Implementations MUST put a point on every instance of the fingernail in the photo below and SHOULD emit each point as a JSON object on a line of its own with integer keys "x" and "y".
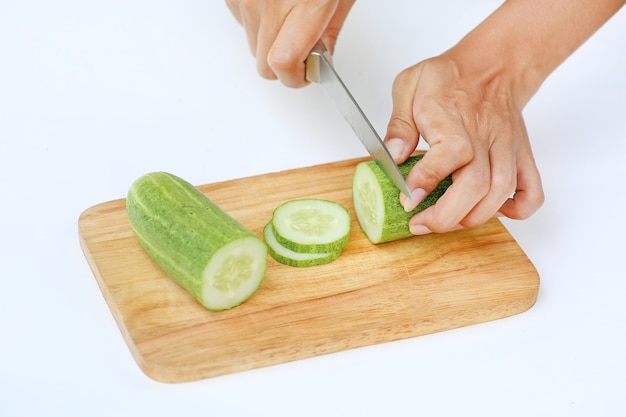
{"x": 499, "y": 214}
{"x": 419, "y": 229}
{"x": 417, "y": 196}
{"x": 395, "y": 147}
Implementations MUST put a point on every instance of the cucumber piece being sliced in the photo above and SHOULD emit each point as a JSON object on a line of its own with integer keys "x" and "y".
{"x": 376, "y": 201}
{"x": 202, "y": 248}
{"x": 288, "y": 257}
{"x": 311, "y": 225}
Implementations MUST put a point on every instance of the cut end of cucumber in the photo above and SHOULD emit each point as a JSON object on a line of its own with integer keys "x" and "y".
{"x": 234, "y": 273}
{"x": 368, "y": 202}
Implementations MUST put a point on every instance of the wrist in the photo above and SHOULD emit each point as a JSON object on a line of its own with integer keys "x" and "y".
{"x": 500, "y": 63}
{"x": 519, "y": 45}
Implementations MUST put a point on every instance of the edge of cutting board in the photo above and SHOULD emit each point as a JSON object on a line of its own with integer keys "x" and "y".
{"x": 370, "y": 295}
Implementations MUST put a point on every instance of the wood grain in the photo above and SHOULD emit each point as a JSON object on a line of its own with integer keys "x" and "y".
{"x": 371, "y": 294}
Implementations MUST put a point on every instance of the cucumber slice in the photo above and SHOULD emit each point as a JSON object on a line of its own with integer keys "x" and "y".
{"x": 311, "y": 225}
{"x": 202, "y": 248}
{"x": 288, "y": 257}
{"x": 376, "y": 201}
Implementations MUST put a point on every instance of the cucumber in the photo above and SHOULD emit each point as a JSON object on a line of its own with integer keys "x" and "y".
{"x": 288, "y": 257}
{"x": 311, "y": 225}
{"x": 202, "y": 248}
{"x": 376, "y": 201}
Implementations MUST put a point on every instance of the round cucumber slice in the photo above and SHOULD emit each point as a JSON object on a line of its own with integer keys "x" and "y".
{"x": 311, "y": 226}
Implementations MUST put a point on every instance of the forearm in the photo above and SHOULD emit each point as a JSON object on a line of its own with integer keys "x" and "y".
{"x": 523, "y": 41}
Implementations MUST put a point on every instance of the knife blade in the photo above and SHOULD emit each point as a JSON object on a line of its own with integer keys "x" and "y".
{"x": 320, "y": 70}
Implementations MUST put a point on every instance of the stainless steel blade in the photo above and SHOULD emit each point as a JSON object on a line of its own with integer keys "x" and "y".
{"x": 319, "y": 69}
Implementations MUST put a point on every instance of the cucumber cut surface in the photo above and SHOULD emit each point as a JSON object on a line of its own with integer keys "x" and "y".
{"x": 232, "y": 274}
{"x": 288, "y": 257}
{"x": 311, "y": 226}
{"x": 369, "y": 202}
{"x": 197, "y": 244}
{"x": 377, "y": 204}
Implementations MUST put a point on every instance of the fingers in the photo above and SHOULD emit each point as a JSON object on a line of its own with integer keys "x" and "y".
{"x": 451, "y": 150}
{"x": 331, "y": 33}
{"x": 502, "y": 181}
{"x": 515, "y": 181}
{"x": 302, "y": 27}
{"x": 233, "y": 6}
{"x": 269, "y": 27}
{"x": 529, "y": 195}
{"x": 247, "y": 13}
{"x": 417, "y": 110}
{"x": 402, "y": 135}
{"x": 470, "y": 182}
{"x": 281, "y": 33}
{"x": 478, "y": 190}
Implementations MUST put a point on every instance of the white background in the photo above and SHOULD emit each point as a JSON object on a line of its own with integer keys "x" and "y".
{"x": 94, "y": 94}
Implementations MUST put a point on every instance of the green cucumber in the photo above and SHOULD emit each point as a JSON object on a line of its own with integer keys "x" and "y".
{"x": 202, "y": 248}
{"x": 376, "y": 201}
{"x": 288, "y": 257}
{"x": 311, "y": 225}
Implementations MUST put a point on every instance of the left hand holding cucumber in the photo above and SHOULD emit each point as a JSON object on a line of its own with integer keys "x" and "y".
{"x": 467, "y": 105}
{"x": 473, "y": 134}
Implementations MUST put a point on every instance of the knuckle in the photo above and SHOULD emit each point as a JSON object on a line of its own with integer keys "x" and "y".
{"x": 331, "y": 35}
{"x": 404, "y": 78}
{"x": 280, "y": 61}
{"x": 265, "y": 71}
{"x": 442, "y": 222}
{"x": 428, "y": 176}
{"x": 503, "y": 184}
{"x": 460, "y": 147}
{"x": 402, "y": 121}
{"x": 442, "y": 226}
{"x": 474, "y": 221}
{"x": 285, "y": 67}
{"x": 524, "y": 204}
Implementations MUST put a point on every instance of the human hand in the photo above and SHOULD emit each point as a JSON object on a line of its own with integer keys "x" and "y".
{"x": 281, "y": 33}
{"x": 475, "y": 131}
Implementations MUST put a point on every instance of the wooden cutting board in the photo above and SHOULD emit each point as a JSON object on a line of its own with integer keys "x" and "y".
{"x": 371, "y": 294}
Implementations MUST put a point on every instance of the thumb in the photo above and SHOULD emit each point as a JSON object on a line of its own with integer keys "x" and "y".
{"x": 402, "y": 134}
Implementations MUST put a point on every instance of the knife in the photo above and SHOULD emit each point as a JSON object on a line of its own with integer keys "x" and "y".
{"x": 320, "y": 70}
